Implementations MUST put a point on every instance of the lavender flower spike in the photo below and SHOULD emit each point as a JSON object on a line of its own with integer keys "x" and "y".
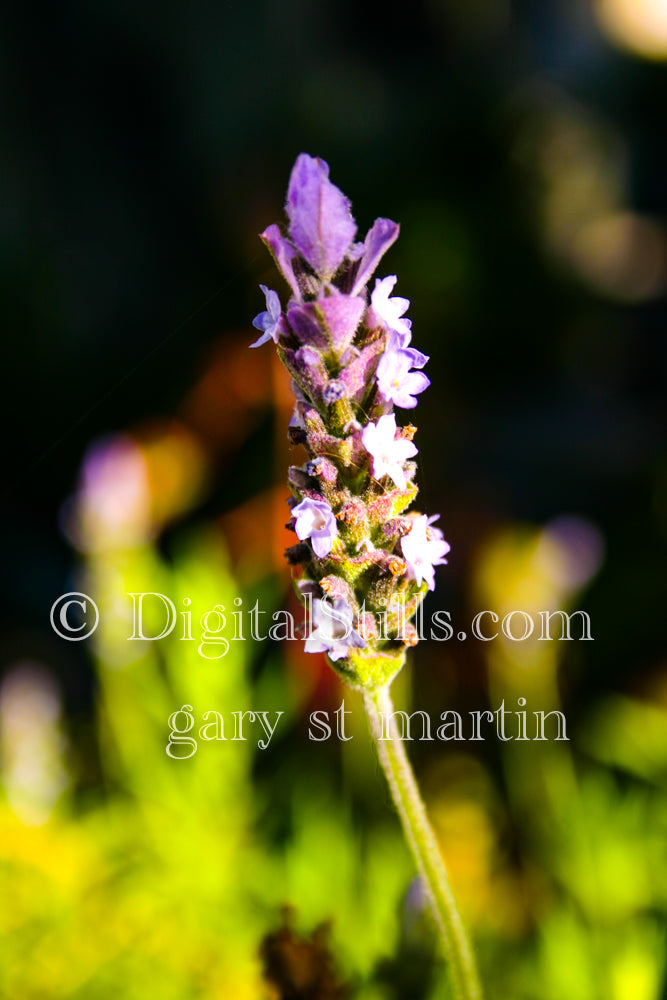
{"x": 346, "y": 351}
{"x": 362, "y": 564}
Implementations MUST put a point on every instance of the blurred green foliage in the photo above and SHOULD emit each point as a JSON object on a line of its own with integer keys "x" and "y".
{"x": 166, "y": 881}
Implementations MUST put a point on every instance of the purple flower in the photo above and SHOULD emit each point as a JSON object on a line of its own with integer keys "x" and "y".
{"x": 388, "y": 452}
{"x": 379, "y": 238}
{"x": 307, "y": 368}
{"x": 359, "y": 369}
{"x": 423, "y": 548}
{"x": 330, "y": 321}
{"x": 321, "y": 224}
{"x": 334, "y": 631}
{"x": 342, "y": 314}
{"x": 315, "y": 520}
{"x": 269, "y": 321}
{"x": 388, "y": 311}
{"x": 334, "y": 391}
{"x": 347, "y": 347}
{"x": 283, "y": 253}
{"x": 396, "y": 382}
{"x": 417, "y": 359}
{"x": 296, "y": 420}
{"x": 305, "y": 325}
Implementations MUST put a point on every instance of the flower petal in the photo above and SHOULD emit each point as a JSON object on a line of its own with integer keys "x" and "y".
{"x": 342, "y": 314}
{"x": 321, "y": 223}
{"x": 379, "y": 238}
{"x": 283, "y": 254}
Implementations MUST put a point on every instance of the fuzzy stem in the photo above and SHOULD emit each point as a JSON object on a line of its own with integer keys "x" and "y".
{"x": 421, "y": 839}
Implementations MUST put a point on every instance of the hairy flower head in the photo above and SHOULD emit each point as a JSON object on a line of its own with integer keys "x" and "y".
{"x": 359, "y": 556}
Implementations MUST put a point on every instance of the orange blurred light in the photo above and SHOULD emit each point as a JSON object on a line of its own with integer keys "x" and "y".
{"x": 232, "y": 394}
{"x": 257, "y": 537}
{"x": 637, "y": 25}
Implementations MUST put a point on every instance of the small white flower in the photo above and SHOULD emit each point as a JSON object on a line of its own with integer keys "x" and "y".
{"x": 390, "y": 310}
{"x": 388, "y": 452}
{"x": 315, "y": 519}
{"x": 334, "y": 631}
{"x": 423, "y": 548}
{"x": 397, "y": 383}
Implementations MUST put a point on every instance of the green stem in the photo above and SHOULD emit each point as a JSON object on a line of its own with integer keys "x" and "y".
{"x": 422, "y": 842}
